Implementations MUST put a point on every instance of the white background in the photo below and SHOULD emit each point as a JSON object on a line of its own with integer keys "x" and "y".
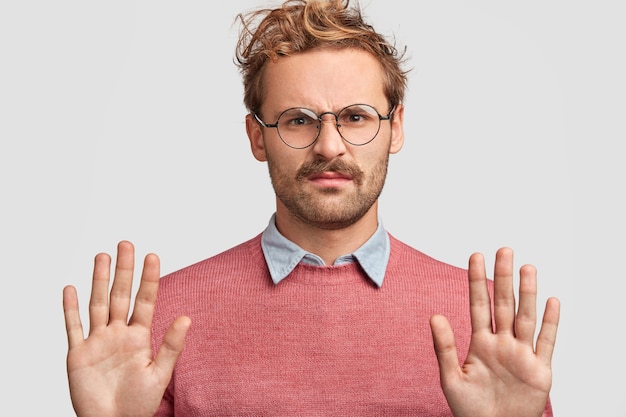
{"x": 124, "y": 120}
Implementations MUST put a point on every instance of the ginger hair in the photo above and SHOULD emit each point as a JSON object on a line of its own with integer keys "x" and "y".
{"x": 302, "y": 25}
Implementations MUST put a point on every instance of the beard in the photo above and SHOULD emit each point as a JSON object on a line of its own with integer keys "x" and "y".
{"x": 329, "y": 208}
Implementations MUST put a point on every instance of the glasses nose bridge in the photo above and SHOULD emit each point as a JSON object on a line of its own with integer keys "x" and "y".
{"x": 320, "y": 116}
{"x": 321, "y": 120}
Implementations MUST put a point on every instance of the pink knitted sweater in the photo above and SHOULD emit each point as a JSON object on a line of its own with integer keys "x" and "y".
{"x": 324, "y": 342}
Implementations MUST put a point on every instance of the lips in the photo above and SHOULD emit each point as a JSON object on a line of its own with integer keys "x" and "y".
{"x": 329, "y": 175}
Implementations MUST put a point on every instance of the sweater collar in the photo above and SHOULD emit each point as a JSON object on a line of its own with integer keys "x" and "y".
{"x": 282, "y": 255}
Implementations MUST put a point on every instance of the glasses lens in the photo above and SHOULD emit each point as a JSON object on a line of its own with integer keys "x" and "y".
{"x": 298, "y": 127}
{"x": 359, "y": 123}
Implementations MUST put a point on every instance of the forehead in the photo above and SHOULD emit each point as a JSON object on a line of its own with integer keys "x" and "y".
{"x": 324, "y": 79}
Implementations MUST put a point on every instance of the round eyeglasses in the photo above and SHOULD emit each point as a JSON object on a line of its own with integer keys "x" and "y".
{"x": 299, "y": 128}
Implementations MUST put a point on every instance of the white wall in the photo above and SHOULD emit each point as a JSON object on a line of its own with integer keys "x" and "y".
{"x": 124, "y": 120}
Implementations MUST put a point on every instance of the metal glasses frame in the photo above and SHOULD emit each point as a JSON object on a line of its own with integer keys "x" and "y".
{"x": 319, "y": 127}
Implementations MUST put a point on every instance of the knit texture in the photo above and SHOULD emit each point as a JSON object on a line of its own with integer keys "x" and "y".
{"x": 323, "y": 342}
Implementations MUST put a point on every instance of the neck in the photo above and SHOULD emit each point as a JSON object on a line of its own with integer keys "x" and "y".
{"x": 325, "y": 243}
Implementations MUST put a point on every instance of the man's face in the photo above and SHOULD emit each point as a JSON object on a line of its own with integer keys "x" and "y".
{"x": 330, "y": 184}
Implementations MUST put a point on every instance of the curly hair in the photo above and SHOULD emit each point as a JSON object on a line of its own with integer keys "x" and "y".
{"x": 301, "y": 25}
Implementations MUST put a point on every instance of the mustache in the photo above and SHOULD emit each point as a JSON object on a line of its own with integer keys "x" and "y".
{"x": 336, "y": 165}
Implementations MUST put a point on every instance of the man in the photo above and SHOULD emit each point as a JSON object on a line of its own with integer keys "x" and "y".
{"x": 324, "y": 313}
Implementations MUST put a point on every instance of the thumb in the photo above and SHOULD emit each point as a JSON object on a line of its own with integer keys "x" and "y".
{"x": 172, "y": 346}
{"x": 445, "y": 347}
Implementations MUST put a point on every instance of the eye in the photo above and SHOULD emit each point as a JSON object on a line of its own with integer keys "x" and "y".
{"x": 294, "y": 118}
{"x": 299, "y": 121}
{"x": 357, "y": 115}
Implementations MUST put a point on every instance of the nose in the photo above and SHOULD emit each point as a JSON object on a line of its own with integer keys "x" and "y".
{"x": 329, "y": 143}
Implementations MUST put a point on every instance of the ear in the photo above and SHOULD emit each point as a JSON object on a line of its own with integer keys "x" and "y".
{"x": 255, "y": 135}
{"x": 397, "y": 129}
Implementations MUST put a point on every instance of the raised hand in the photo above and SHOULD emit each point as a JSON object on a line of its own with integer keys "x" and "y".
{"x": 113, "y": 373}
{"x": 505, "y": 372}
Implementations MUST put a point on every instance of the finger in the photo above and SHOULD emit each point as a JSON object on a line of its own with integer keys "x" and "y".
{"x": 526, "y": 319}
{"x": 445, "y": 348}
{"x": 172, "y": 346}
{"x": 73, "y": 325}
{"x": 147, "y": 293}
{"x": 547, "y": 335}
{"x": 121, "y": 290}
{"x": 504, "y": 297}
{"x": 480, "y": 303}
{"x": 99, "y": 300}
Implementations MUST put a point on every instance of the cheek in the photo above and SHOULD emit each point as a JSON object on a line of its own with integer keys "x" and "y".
{"x": 371, "y": 158}
{"x": 281, "y": 161}
{"x": 375, "y": 166}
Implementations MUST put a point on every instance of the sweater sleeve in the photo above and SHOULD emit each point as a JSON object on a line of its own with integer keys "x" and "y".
{"x": 547, "y": 412}
{"x": 166, "y": 408}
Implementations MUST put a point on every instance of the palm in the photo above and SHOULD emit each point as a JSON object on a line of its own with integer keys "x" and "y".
{"x": 504, "y": 373}
{"x": 116, "y": 361}
{"x": 113, "y": 371}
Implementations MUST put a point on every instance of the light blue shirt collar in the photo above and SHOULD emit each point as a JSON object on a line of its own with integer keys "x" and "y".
{"x": 282, "y": 255}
